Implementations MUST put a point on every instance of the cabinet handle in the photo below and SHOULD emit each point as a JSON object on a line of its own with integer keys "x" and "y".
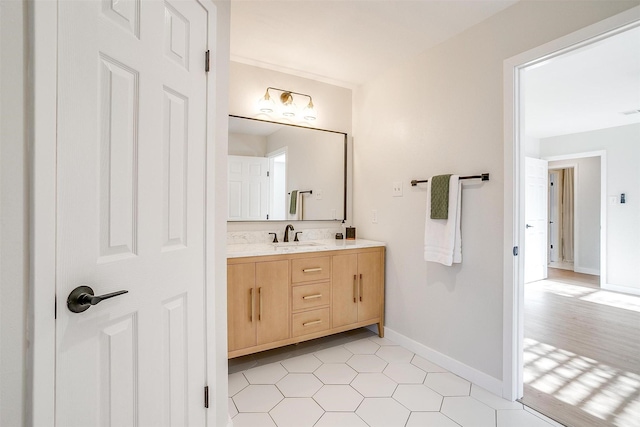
{"x": 311, "y": 270}
{"x": 355, "y": 279}
{"x": 260, "y": 305}
{"x": 312, "y": 296}
{"x": 252, "y": 303}
{"x": 361, "y": 288}
{"x": 315, "y": 322}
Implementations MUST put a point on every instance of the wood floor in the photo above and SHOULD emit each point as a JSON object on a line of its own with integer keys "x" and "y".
{"x": 582, "y": 352}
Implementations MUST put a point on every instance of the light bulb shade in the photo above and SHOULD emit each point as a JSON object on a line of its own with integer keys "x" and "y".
{"x": 288, "y": 107}
{"x": 289, "y": 110}
{"x": 266, "y": 104}
{"x": 309, "y": 113}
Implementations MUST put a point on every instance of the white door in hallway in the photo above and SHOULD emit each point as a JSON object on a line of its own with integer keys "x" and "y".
{"x": 130, "y": 212}
{"x": 536, "y": 222}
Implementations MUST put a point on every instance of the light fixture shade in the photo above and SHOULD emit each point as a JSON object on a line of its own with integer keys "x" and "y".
{"x": 309, "y": 112}
{"x": 288, "y": 107}
{"x": 266, "y": 104}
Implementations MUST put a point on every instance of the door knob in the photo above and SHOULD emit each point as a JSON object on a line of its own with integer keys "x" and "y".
{"x": 82, "y": 297}
{"x": 529, "y": 226}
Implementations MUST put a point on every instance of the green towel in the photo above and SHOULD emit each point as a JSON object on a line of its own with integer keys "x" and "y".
{"x": 440, "y": 196}
{"x": 294, "y": 201}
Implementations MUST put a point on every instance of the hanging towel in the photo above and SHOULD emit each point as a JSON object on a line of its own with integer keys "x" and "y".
{"x": 440, "y": 196}
{"x": 294, "y": 202}
{"x": 295, "y": 206}
{"x": 442, "y": 239}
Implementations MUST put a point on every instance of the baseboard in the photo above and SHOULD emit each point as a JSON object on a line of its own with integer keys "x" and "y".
{"x": 592, "y": 271}
{"x": 481, "y": 379}
{"x": 622, "y": 289}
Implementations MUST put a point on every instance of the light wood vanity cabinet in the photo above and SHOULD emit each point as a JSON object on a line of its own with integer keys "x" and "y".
{"x": 357, "y": 288}
{"x": 274, "y": 301}
{"x": 258, "y": 303}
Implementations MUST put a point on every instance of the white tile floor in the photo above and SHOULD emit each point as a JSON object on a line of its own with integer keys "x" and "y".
{"x": 357, "y": 379}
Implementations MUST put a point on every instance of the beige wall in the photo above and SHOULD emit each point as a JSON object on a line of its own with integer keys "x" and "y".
{"x": 442, "y": 112}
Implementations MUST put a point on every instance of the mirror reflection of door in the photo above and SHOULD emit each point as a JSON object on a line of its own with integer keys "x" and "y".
{"x": 248, "y": 187}
{"x": 278, "y": 184}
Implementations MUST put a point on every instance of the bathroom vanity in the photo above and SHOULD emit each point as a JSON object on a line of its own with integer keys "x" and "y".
{"x": 280, "y": 294}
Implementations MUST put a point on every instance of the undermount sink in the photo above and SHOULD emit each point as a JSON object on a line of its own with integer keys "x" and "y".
{"x": 295, "y": 244}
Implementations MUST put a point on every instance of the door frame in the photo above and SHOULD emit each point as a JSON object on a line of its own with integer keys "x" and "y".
{"x": 568, "y": 163}
{"x": 42, "y": 28}
{"x": 513, "y": 214}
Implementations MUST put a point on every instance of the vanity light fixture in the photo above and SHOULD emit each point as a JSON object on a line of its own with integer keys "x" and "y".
{"x": 288, "y": 108}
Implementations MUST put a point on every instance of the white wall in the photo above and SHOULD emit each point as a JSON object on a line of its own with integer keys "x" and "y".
{"x": 442, "y": 112}
{"x": 13, "y": 215}
{"x": 333, "y": 103}
{"x": 587, "y": 217}
{"x": 623, "y": 176}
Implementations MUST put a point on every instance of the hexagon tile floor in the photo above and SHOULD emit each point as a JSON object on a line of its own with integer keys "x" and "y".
{"x": 358, "y": 380}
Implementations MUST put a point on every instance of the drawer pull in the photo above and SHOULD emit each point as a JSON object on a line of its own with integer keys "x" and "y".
{"x": 311, "y": 270}
{"x": 315, "y": 322}
{"x": 312, "y": 296}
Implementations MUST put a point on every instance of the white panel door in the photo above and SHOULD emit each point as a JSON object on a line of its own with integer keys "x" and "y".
{"x": 248, "y": 185}
{"x": 536, "y": 213}
{"x": 130, "y": 212}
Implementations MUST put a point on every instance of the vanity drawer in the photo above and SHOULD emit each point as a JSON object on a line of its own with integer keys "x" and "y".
{"x": 309, "y": 296}
{"x": 309, "y": 322}
{"x": 310, "y": 269}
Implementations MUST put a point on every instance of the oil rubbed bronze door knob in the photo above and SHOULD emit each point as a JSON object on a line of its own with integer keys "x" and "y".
{"x": 82, "y": 297}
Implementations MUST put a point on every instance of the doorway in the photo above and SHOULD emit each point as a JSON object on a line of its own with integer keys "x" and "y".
{"x": 515, "y": 152}
{"x": 561, "y": 218}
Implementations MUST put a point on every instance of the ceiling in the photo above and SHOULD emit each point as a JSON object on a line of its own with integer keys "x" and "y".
{"x": 588, "y": 89}
{"x": 346, "y": 42}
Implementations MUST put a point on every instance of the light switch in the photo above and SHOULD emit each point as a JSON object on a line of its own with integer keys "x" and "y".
{"x": 397, "y": 189}
{"x": 318, "y": 194}
{"x": 374, "y": 216}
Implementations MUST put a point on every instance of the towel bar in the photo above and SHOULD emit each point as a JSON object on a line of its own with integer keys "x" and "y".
{"x": 484, "y": 177}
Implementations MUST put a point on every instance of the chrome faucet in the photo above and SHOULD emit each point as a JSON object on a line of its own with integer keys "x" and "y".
{"x": 286, "y": 232}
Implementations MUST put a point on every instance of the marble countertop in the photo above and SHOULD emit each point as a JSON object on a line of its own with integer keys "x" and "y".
{"x": 262, "y": 249}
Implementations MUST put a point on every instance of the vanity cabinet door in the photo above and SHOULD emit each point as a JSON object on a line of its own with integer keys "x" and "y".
{"x": 369, "y": 285}
{"x": 357, "y": 287}
{"x": 344, "y": 307}
{"x": 241, "y": 319}
{"x": 272, "y": 301}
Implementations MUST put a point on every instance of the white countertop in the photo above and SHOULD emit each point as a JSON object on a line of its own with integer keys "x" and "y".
{"x": 261, "y": 249}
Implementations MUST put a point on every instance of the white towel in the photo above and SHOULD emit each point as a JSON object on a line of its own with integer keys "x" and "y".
{"x": 442, "y": 239}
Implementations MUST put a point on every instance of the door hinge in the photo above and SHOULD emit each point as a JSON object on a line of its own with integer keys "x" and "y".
{"x": 206, "y": 61}
{"x": 206, "y": 396}
{"x": 515, "y": 251}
